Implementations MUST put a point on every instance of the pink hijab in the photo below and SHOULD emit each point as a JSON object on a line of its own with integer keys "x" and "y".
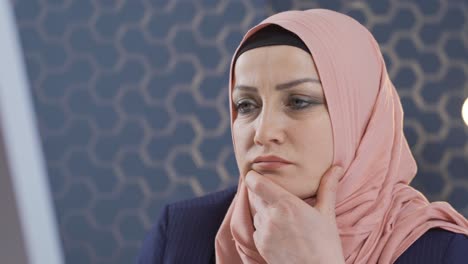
{"x": 378, "y": 214}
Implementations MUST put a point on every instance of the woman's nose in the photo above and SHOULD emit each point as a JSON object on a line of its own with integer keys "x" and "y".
{"x": 268, "y": 128}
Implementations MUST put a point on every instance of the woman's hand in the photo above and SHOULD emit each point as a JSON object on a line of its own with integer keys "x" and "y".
{"x": 288, "y": 230}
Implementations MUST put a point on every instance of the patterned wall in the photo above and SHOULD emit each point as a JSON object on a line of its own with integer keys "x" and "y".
{"x": 133, "y": 104}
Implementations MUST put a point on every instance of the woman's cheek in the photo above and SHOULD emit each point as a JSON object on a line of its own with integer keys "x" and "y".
{"x": 240, "y": 149}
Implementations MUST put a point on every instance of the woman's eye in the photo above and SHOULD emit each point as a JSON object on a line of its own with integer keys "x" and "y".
{"x": 245, "y": 106}
{"x": 298, "y": 103}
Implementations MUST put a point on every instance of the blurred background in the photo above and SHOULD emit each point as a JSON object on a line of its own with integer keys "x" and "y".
{"x": 132, "y": 102}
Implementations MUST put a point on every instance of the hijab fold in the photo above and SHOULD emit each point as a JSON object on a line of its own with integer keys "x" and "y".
{"x": 378, "y": 214}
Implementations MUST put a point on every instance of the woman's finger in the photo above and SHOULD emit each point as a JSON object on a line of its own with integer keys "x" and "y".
{"x": 258, "y": 204}
{"x": 257, "y": 221}
{"x": 326, "y": 194}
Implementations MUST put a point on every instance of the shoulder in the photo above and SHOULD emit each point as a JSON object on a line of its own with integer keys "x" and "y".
{"x": 197, "y": 218}
{"x": 210, "y": 207}
{"x": 213, "y": 201}
{"x": 437, "y": 246}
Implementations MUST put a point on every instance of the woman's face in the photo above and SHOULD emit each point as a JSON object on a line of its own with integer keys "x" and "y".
{"x": 281, "y": 126}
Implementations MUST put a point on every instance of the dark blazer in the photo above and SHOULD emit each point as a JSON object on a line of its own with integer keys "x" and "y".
{"x": 186, "y": 230}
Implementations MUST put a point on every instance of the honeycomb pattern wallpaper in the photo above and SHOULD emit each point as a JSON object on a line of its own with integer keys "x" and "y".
{"x": 132, "y": 102}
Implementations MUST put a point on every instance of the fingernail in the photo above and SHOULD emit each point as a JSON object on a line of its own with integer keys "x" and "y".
{"x": 247, "y": 181}
{"x": 338, "y": 169}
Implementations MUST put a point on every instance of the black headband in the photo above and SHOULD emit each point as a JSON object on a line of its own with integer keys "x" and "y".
{"x": 272, "y": 35}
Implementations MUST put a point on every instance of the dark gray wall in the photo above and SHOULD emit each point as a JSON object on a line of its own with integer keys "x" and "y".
{"x": 133, "y": 104}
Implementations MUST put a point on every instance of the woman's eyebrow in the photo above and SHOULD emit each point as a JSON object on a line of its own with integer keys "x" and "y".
{"x": 246, "y": 88}
{"x": 278, "y": 87}
{"x": 290, "y": 84}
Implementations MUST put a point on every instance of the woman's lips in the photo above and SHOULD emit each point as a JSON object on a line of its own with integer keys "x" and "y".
{"x": 269, "y": 162}
{"x": 269, "y": 165}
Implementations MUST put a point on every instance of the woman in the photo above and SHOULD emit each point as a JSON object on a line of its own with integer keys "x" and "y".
{"x": 325, "y": 167}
